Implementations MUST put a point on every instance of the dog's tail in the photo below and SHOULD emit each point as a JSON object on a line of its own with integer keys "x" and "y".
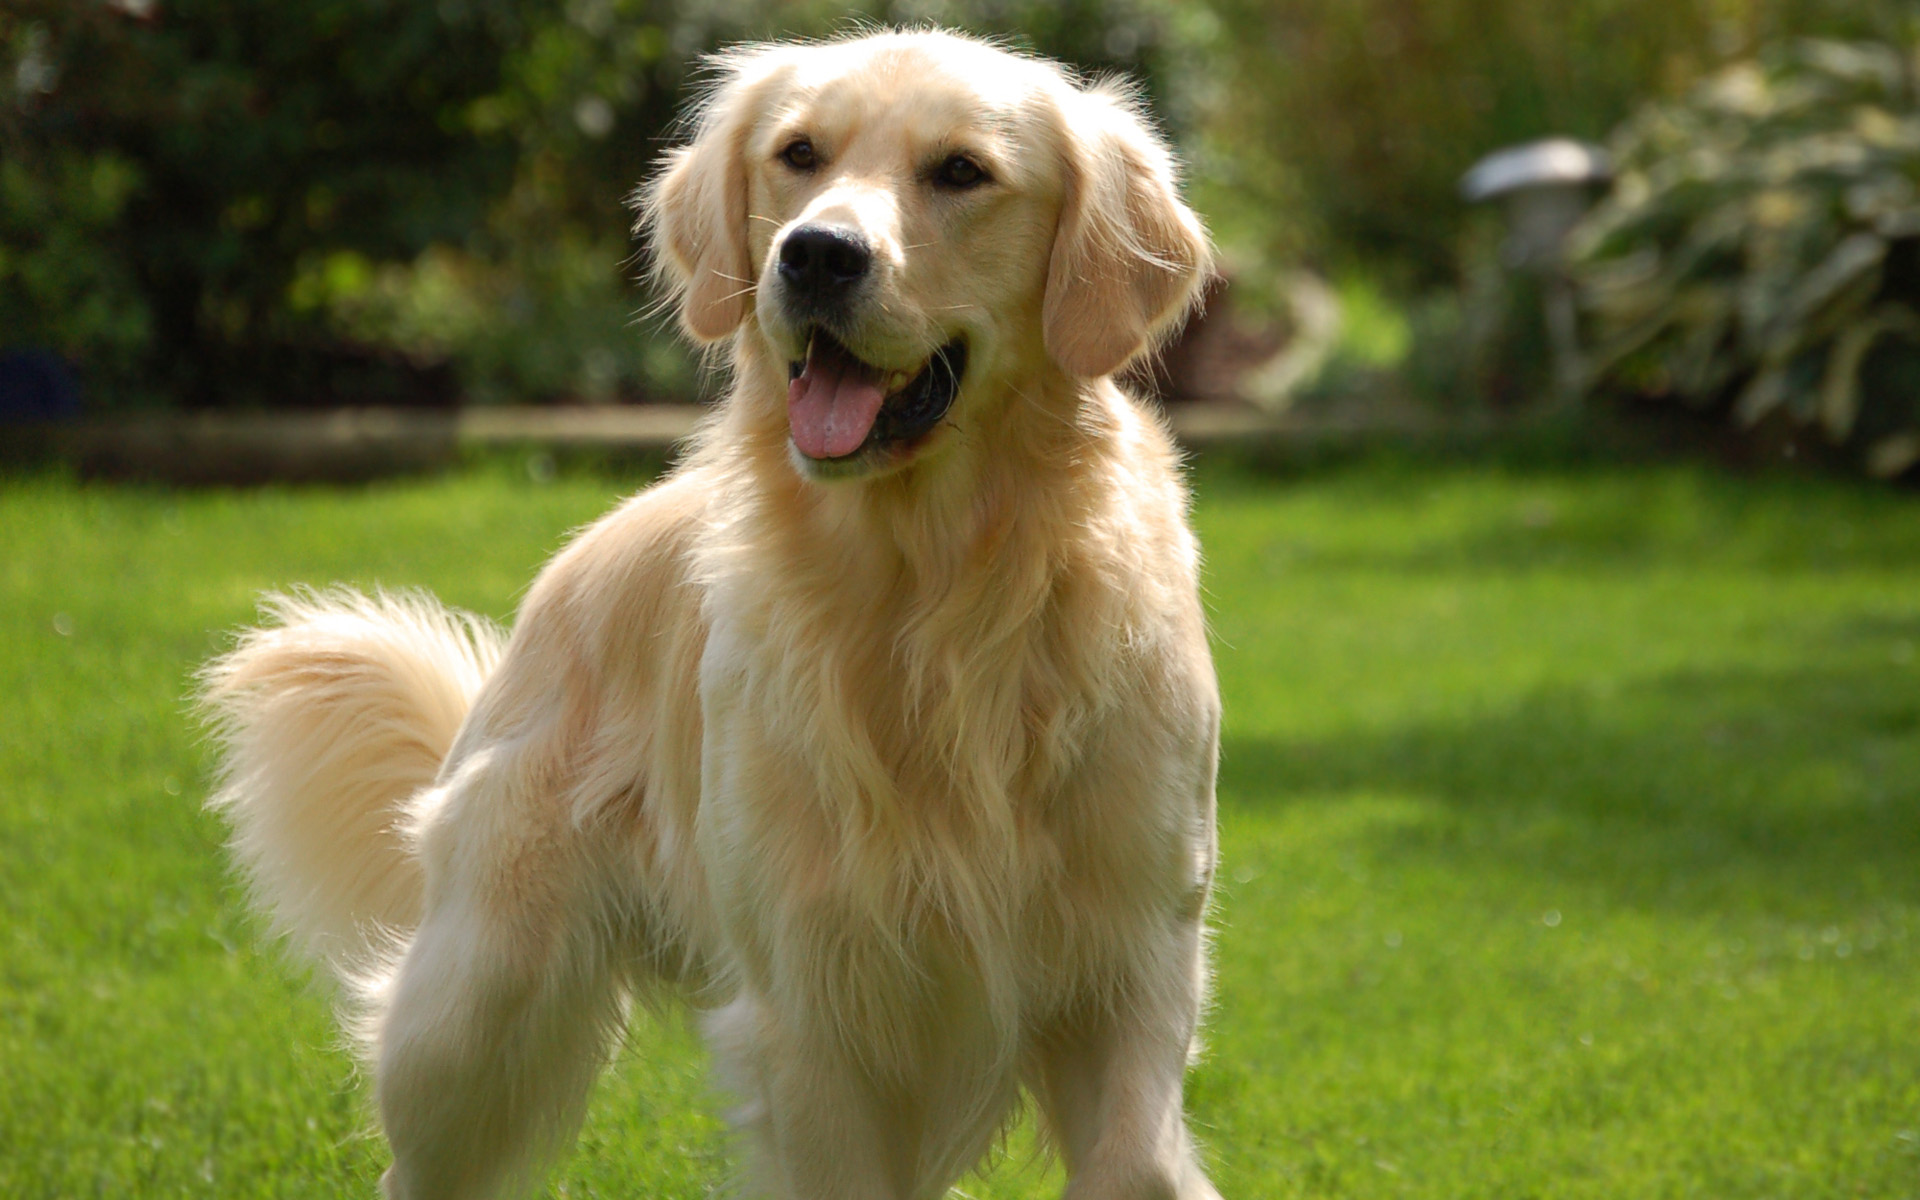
{"x": 331, "y": 719}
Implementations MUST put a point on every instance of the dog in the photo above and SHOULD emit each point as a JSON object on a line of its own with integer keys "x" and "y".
{"x": 884, "y": 727}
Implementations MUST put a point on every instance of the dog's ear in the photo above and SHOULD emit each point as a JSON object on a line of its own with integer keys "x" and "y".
{"x": 696, "y": 206}
{"x": 1128, "y": 256}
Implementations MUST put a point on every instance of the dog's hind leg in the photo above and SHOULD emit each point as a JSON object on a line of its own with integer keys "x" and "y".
{"x": 489, "y": 1031}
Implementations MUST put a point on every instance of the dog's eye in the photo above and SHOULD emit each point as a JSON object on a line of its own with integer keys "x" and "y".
{"x": 799, "y": 155}
{"x": 959, "y": 172}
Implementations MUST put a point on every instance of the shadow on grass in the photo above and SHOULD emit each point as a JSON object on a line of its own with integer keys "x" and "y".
{"x": 1794, "y": 793}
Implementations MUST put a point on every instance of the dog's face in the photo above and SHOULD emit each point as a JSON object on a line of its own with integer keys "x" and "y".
{"x": 911, "y": 221}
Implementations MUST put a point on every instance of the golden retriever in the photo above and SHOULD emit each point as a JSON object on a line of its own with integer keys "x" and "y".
{"x": 885, "y": 725}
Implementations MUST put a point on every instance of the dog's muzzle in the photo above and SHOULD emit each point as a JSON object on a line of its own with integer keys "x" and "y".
{"x": 821, "y": 268}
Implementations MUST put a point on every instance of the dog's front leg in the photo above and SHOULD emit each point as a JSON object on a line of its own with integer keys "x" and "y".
{"x": 816, "y": 1128}
{"x": 490, "y": 1032}
{"x": 1110, "y": 1087}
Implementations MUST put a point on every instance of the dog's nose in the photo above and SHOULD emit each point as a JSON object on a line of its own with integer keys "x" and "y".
{"x": 822, "y": 262}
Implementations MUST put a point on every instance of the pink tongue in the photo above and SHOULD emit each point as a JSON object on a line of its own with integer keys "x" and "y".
{"x": 832, "y": 405}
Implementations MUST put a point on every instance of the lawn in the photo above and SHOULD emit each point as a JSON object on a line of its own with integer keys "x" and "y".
{"x": 1570, "y": 822}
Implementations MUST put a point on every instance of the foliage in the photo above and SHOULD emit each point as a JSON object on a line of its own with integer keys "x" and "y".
{"x": 1762, "y": 247}
{"x": 62, "y": 283}
{"x": 218, "y": 202}
{"x": 1568, "y": 821}
{"x": 1337, "y": 130}
{"x": 327, "y": 201}
{"x": 249, "y": 136}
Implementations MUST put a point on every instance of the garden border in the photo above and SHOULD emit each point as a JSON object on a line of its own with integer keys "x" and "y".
{"x": 346, "y": 445}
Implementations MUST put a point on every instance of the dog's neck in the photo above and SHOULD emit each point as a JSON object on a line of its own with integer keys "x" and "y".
{"x": 954, "y": 576}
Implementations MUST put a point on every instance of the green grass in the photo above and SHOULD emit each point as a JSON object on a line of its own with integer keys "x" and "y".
{"x": 1571, "y": 825}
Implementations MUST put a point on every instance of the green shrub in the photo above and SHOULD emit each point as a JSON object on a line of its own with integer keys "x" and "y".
{"x": 335, "y": 201}
{"x": 248, "y": 135}
{"x": 63, "y": 285}
{"x": 1761, "y": 249}
{"x": 1337, "y": 130}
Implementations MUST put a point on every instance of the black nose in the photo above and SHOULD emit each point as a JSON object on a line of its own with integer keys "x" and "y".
{"x": 823, "y": 263}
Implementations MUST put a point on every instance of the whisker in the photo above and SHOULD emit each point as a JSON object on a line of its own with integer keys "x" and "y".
{"x": 649, "y": 311}
{"x": 661, "y": 303}
{"x": 665, "y": 303}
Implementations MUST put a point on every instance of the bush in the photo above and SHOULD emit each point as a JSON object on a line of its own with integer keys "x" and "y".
{"x": 214, "y": 202}
{"x": 62, "y": 282}
{"x": 1761, "y": 250}
{"x": 1337, "y": 130}
{"x": 237, "y": 139}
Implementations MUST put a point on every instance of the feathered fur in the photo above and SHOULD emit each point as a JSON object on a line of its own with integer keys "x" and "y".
{"x": 332, "y": 719}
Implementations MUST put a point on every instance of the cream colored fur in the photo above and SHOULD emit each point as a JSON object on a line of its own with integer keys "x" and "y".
{"x": 906, "y": 777}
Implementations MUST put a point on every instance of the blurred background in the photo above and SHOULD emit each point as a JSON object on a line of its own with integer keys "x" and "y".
{"x": 212, "y": 204}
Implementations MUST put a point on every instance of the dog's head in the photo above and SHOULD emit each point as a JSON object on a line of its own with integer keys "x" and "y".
{"x": 907, "y": 219}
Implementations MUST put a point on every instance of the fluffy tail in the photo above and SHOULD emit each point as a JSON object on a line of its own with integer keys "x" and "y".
{"x": 330, "y": 719}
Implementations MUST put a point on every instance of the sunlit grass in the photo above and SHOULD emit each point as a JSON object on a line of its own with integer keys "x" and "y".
{"x": 1571, "y": 824}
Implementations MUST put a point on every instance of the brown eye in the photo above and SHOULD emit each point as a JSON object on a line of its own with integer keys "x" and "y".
{"x": 799, "y": 155}
{"x": 960, "y": 173}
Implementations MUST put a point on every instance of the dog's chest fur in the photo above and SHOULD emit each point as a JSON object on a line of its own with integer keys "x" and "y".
{"x": 911, "y": 814}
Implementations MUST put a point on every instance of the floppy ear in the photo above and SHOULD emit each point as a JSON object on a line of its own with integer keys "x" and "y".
{"x": 696, "y": 207}
{"x": 1128, "y": 256}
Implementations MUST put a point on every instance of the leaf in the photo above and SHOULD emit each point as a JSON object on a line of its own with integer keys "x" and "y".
{"x": 1763, "y": 393}
{"x": 1898, "y": 226}
{"x": 1840, "y": 386}
{"x": 1706, "y": 314}
{"x": 1862, "y": 64}
{"x": 1882, "y": 195}
{"x": 1750, "y": 237}
{"x": 1848, "y": 265}
{"x": 1892, "y": 456}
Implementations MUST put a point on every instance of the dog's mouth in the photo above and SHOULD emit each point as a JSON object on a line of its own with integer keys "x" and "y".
{"x": 839, "y": 407}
